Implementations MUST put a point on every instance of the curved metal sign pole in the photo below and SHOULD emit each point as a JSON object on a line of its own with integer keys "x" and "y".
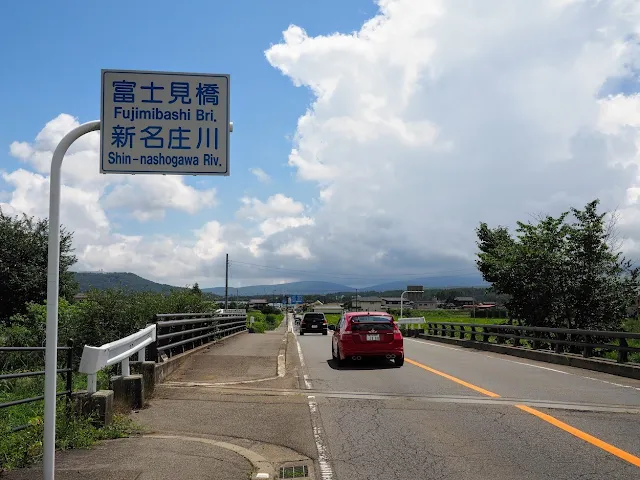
{"x": 53, "y": 287}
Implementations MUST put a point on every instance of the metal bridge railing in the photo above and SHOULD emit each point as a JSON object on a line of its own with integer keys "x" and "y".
{"x": 556, "y": 339}
{"x": 67, "y": 372}
{"x": 180, "y": 332}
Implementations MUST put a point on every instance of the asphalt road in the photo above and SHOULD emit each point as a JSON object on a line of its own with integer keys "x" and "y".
{"x": 455, "y": 413}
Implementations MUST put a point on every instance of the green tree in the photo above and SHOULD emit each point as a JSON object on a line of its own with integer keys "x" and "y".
{"x": 196, "y": 289}
{"x": 560, "y": 272}
{"x": 23, "y": 263}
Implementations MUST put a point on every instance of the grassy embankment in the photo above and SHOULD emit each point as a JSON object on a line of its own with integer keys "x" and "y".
{"x": 103, "y": 317}
{"x": 263, "y": 322}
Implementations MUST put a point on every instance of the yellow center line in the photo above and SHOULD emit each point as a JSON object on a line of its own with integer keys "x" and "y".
{"x": 582, "y": 435}
{"x": 453, "y": 379}
{"x": 607, "y": 447}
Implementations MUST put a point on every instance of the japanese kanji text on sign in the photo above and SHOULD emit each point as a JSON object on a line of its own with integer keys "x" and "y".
{"x": 168, "y": 123}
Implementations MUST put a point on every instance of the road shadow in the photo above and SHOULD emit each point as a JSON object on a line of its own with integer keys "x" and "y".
{"x": 365, "y": 364}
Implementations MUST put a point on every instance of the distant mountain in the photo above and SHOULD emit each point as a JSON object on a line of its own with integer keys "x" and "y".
{"x": 293, "y": 288}
{"x": 430, "y": 282}
{"x": 129, "y": 281}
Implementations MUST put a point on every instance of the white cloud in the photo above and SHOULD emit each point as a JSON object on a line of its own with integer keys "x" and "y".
{"x": 433, "y": 116}
{"x": 437, "y": 115}
{"x": 276, "y": 205}
{"x": 148, "y": 197}
{"x": 261, "y": 175}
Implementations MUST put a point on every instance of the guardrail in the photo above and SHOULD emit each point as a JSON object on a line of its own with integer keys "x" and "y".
{"x": 67, "y": 372}
{"x": 179, "y": 332}
{"x": 95, "y": 359}
{"x": 541, "y": 338}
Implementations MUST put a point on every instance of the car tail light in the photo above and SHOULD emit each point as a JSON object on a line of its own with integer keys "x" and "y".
{"x": 397, "y": 334}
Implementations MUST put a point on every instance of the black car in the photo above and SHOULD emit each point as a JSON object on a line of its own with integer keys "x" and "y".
{"x": 313, "y": 322}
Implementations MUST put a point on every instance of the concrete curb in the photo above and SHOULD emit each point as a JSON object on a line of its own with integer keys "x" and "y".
{"x": 597, "y": 365}
{"x": 164, "y": 369}
{"x": 282, "y": 355}
{"x": 262, "y": 467}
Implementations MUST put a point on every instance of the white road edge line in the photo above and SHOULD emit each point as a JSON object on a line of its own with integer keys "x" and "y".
{"x": 326, "y": 472}
{"x": 431, "y": 344}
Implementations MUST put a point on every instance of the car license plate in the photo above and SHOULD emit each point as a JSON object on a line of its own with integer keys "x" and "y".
{"x": 373, "y": 338}
{"x": 314, "y": 326}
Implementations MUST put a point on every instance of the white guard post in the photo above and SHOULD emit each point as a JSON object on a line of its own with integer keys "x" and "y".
{"x": 411, "y": 321}
{"x": 95, "y": 359}
{"x": 53, "y": 288}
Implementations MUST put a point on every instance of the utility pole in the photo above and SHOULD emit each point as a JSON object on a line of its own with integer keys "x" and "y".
{"x": 226, "y": 284}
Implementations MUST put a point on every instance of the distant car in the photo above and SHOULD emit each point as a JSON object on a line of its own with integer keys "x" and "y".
{"x": 367, "y": 334}
{"x": 313, "y": 322}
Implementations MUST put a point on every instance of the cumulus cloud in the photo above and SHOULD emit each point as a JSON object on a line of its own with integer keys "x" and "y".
{"x": 436, "y": 115}
{"x": 261, "y": 175}
{"x": 432, "y": 116}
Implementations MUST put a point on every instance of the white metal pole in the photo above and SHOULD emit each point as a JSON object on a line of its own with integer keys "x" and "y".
{"x": 92, "y": 382}
{"x": 126, "y": 371}
{"x": 53, "y": 287}
{"x": 401, "y": 301}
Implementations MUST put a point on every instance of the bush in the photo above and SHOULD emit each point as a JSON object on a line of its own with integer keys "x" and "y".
{"x": 105, "y": 316}
{"x": 264, "y": 322}
{"x": 268, "y": 309}
{"x": 259, "y": 327}
{"x": 20, "y": 449}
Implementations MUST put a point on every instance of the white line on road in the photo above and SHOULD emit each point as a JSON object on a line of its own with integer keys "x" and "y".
{"x": 326, "y": 472}
{"x": 430, "y": 344}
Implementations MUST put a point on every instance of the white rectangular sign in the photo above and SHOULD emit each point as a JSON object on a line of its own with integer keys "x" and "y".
{"x": 411, "y": 320}
{"x": 164, "y": 122}
{"x": 233, "y": 311}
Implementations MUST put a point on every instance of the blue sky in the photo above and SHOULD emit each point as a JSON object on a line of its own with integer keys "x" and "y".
{"x": 57, "y": 49}
{"x": 415, "y": 120}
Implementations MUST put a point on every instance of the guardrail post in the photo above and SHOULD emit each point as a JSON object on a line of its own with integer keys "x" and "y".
{"x": 126, "y": 370}
{"x": 587, "y": 351}
{"x": 462, "y": 333}
{"x": 558, "y": 346}
{"x": 69, "y": 375}
{"x": 92, "y": 382}
{"x": 623, "y": 355}
{"x": 485, "y": 334}
{"x": 536, "y": 343}
{"x": 516, "y": 338}
{"x": 473, "y": 333}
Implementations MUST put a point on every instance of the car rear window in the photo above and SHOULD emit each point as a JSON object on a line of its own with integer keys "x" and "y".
{"x": 314, "y": 316}
{"x": 370, "y": 319}
{"x": 363, "y": 323}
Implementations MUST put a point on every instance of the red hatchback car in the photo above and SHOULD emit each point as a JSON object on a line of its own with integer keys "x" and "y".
{"x": 367, "y": 334}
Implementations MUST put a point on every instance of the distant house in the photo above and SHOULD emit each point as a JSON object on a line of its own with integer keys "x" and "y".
{"x": 370, "y": 304}
{"x": 257, "y": 303}
{"x": 78, "y": 297}
{"x": 462, "y": 301}
{"x": 394, "y": 303}
{"x": 427, "y": 304}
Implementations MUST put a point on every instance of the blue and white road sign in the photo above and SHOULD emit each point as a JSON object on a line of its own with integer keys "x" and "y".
{"x": 163, "y": 122}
